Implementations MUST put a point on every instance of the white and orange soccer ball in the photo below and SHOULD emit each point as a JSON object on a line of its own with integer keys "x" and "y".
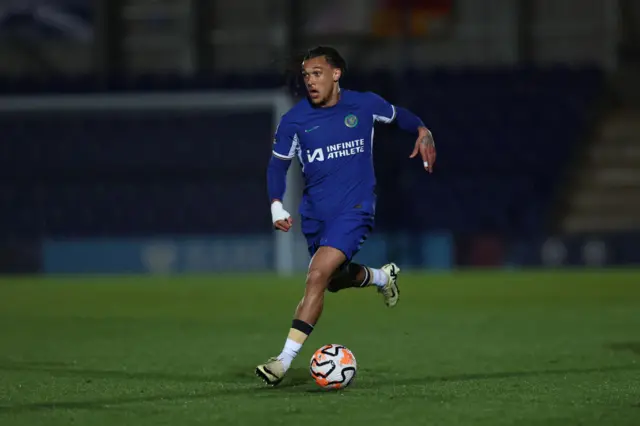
{"x": 333, "y": 367}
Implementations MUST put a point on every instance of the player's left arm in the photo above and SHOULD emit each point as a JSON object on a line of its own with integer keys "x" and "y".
{"x": 385, "y": 112}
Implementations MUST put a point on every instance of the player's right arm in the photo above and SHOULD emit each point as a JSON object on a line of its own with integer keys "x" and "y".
{"x": 285, "y": 147}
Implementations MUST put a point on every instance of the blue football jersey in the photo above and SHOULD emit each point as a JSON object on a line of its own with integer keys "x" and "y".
{"x": 335, "y": 148}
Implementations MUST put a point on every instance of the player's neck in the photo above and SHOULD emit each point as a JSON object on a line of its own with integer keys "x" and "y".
{"x": 334, "y": 99}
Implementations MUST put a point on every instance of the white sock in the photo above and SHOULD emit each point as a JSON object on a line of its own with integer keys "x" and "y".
{"x": 289, "y": 352}
{"x": 378, "y": 277}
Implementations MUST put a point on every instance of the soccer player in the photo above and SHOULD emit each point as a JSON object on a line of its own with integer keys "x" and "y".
{"x": 331, "y": 134}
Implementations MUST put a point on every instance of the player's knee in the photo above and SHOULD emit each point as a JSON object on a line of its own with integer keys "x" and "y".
{"x": 318, "y": 279}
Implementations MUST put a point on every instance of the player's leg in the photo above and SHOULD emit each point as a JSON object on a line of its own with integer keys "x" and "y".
{"x": 349, "y": 234}
{"x": 324, "y": 263}
{"x": 354, "y": 275}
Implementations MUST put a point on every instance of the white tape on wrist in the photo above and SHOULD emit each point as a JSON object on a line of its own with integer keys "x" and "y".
{"x": 278, "y": 212}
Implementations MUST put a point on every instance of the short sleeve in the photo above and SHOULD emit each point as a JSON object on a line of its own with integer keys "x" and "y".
{"x": 285, "y": 141}
{"x": 383, "y": 111}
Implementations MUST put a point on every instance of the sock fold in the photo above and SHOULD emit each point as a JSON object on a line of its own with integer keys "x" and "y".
{"x": 298, "y": 333}
{"x": 289, "y": 352}
{"x": 379, "y": 278}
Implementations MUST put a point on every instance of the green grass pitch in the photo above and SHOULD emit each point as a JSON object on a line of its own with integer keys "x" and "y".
{"x": 465, "y": 348}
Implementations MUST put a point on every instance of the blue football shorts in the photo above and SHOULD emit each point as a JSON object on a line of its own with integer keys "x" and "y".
{"x": 345, "y": 232}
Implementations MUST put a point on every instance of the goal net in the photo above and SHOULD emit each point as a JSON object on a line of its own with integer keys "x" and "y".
{"x": 226, "y": 110}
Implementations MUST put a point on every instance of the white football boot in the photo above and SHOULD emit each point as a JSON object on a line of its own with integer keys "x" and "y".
{"x": 272, "y": 372}
{"x": 390, "y": 291}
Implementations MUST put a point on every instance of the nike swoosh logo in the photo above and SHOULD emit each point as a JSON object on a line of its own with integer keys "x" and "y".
{"x": 311, "y": 129}
{"x": 394, "y": 276}
{"x": 393, "y": 273}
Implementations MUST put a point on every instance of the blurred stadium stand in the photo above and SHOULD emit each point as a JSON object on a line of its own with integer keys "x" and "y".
{"x": 505, "y": 138}
{"x": 534, "y": 106}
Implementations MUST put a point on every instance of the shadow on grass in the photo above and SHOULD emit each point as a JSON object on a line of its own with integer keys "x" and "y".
{"x": 633, "y": 347}
{"x": 69, "y": 370}
{"x": 236, "y": 383}
{"x": 229, "y": 383}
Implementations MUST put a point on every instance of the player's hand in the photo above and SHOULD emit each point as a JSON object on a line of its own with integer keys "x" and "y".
{"x": 283, "y": 225}
{"x": 281, "y": 218}
{"x": 426, "y": 146}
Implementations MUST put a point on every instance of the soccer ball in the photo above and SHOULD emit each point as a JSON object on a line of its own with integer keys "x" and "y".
{"x": 333, "y": 367}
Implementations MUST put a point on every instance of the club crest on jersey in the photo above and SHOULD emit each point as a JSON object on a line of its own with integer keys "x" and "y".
{"x": 351, "y": 120}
